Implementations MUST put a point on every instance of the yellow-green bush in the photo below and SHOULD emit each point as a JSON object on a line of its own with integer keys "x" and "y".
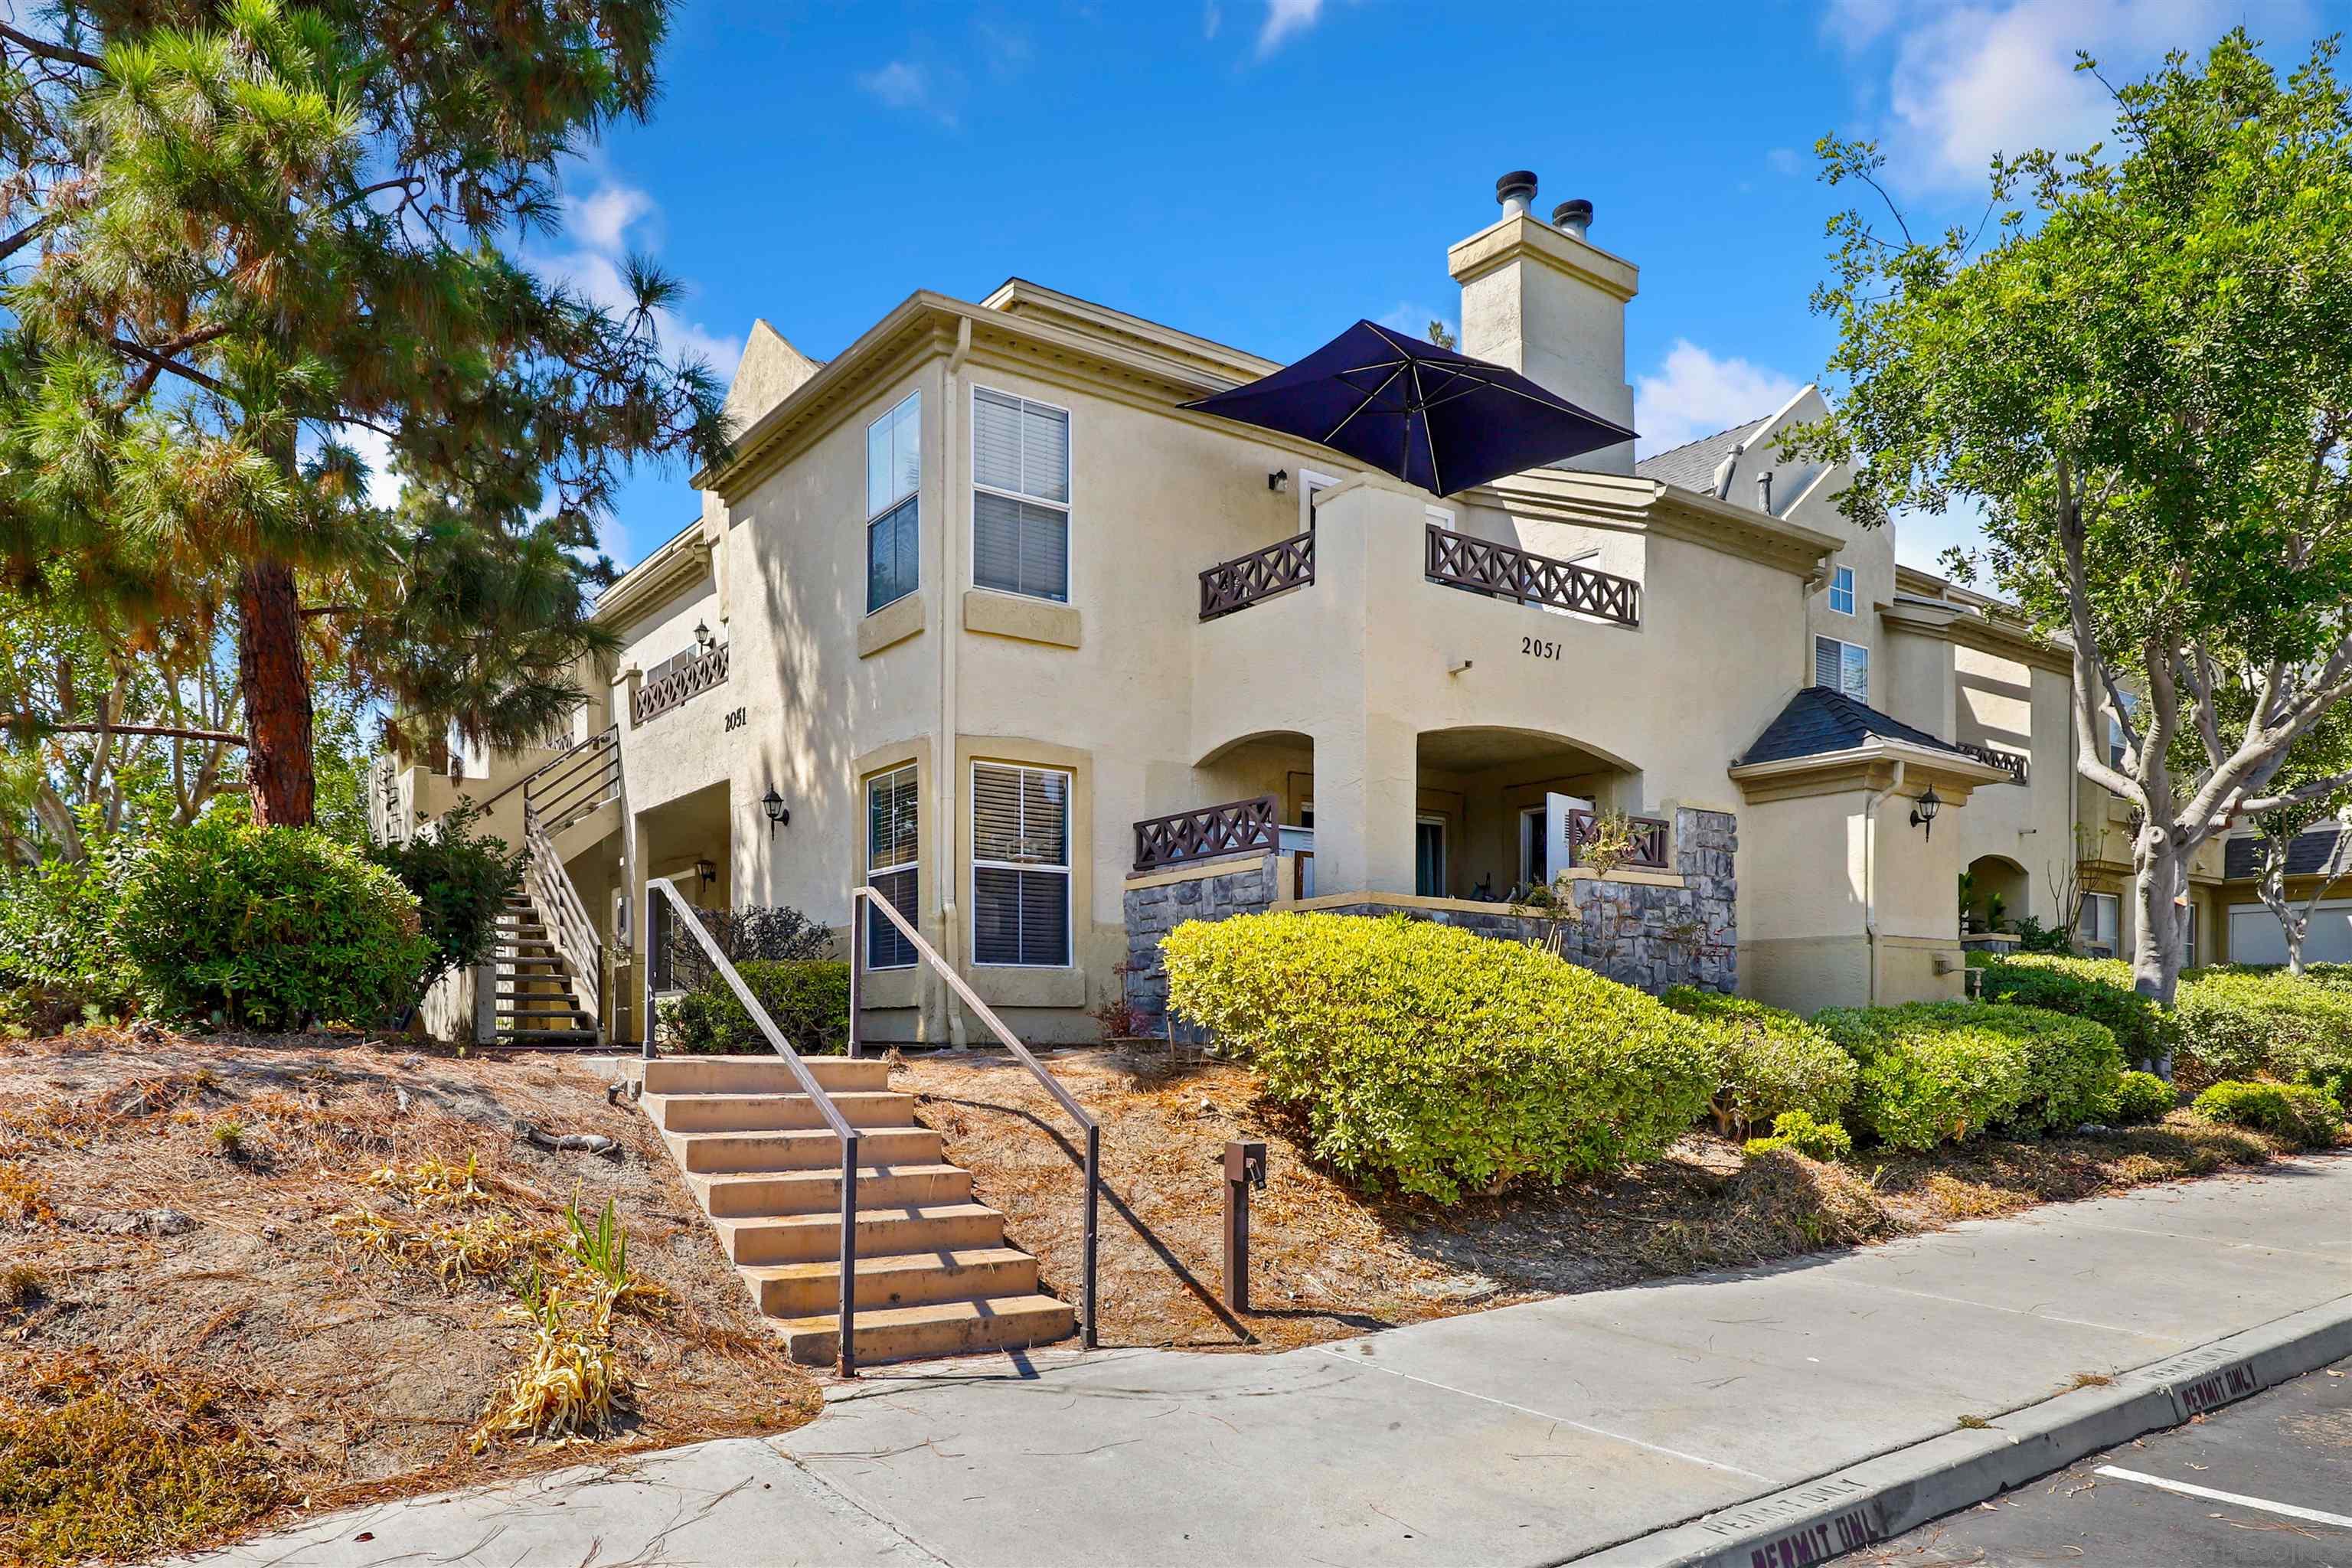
{"x": 1945, "y": 1071}
{"x": 2236, "y": 1023}
{"x": 2099, "y": 989}
{"x": 2302, "y": 1115}
{"x": 1434, "y": 1061}
{"x": 2143, "y": 1097}
{"x": 1826, "y": 1142}
{"x": 1767, "y": 1061}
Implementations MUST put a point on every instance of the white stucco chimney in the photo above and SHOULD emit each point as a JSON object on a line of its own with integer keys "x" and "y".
{"x": 1545, "y": 300}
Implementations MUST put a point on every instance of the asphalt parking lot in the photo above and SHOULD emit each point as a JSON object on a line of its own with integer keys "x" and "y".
{"x": 2281, "y": 1464}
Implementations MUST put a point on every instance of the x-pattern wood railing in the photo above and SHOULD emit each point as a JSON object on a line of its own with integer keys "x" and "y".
{"x": 1236, "y": 584}
{"x": 1650, "y": 839}
{"x": 2009, "y": 763}
{"x": 1483, "y": 566}
{"x": 1235, "y": 828}
{"x": 690, "y": 679}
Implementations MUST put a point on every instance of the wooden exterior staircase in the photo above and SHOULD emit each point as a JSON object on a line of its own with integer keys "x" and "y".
{"x": 934, "y": 1275}
{"x": 537, "y": 999}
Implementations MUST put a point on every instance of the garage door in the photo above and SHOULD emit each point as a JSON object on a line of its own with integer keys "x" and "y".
{"x": 2255, "y": 936}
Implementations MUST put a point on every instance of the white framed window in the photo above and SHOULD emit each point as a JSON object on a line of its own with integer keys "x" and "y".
{"x": 2118, "y": 744}
{"x": 1842, "y": 666}
{"x": 892, "y": 819}
{"x": 1309, "y": 484}
{"x": 2095, "y": 928}
{"x": 2189, "y": 936}
{"x": 1841, "y": 590}
{"x": 1020, "y": 496}
{"x": 1019, "y": 866}
{"x": 894, "y": 474}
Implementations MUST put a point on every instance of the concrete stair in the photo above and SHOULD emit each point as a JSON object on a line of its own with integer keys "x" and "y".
{"x": 935, "y": 1275}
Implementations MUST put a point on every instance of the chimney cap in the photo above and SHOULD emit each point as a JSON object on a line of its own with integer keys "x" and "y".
{"x": 1519, "y": 183}
{"x": 1575, "y": 215}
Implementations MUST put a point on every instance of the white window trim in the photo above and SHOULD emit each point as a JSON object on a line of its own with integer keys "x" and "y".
{"x": 1440, "y": 517}
{"x": 1068, "y": 508}
{"x": 2090, "y": 935}
{"x": 1842, "y": 574}
{"x": 1309, "y": 481}
{"x": 1067, "y": 867}
{"x": 865, "y": 802}
{"x": 1863, "y": 648}
{"x": 916, "y": 495}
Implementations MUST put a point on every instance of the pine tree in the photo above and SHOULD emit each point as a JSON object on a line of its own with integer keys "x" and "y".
{"x": 239, "y": 234}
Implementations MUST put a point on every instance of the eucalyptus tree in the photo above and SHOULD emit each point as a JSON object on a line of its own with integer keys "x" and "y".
{"x": 2139, "y": 366}
{"x": 245, "y": 238}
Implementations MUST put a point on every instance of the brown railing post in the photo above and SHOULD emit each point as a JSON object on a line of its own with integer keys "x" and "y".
{"x": 1244, "y": 1165}
{"x": 845, "y": 1361}
{"x": 1092, "y": 1336}
{"x": 1507, "y": 572}
{"x": 1237, "y": 828}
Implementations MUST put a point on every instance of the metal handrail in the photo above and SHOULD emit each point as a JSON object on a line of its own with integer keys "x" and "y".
{"x": 609, "y": 735}
{"x": 1005, "y": 1037}
{"x": 846, "y": 1354}
{"x": 559, "y": 905}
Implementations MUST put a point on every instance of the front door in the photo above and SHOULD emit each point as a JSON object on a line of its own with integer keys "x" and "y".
{"x": 1428, "y": 857}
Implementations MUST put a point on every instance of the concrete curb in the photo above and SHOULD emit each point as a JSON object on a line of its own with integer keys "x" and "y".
{"x": 1897, "y": 1491}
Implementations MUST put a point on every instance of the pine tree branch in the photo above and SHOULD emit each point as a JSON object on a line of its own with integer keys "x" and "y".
{"x": 41, "y": 49}
{"x": 31, "y": 721}
{"x": 158, "y": 362}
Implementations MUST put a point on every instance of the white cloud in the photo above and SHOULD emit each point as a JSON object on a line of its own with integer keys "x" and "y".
{"x": 1694, "y": 393}
{"x": 1412, "y": 318}
{"x": 1212, "y": 18}
{"x": 905, "y": 84}
{"x": 1284, "y": 18}
{"x": 598, "y": 224}
{"x": 1963, "y": 82}
{"x": 1784, "y": 161}
{"x": 1921, "y": 538}
{"x": 602, "y": 219}
{"x": 375, "y": 451}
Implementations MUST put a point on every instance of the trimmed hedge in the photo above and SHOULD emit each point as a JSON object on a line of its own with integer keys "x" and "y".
{"x": 2099, "y": 989}
{"x": 2142, "y": 1097}
{"x": 807, "y": 997}
{"x": 270, "y": 928}
{"x": 1933, "y": 1072}
{"x": 1794, "y": 1129}
{"x": 2238, "y": 1023}
{"x": 60, "y": 962}
{"x": 1767, "y": 1061}
{"x": 2306, "y": 1116}
{"x": 1437, "y": 1061}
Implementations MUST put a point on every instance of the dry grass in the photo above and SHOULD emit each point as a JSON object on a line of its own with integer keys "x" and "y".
{"x": 355, "y": 1355}
{"x": 1327, "y": 1261}
{"x": 24, "y": 1196}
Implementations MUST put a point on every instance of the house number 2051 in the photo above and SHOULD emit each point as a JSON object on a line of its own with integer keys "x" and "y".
{"x": 1536, "y": 647}
{"x": 738, "y": 718}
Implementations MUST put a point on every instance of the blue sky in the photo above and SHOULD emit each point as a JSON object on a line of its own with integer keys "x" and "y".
{"x": 1264, "y": 171}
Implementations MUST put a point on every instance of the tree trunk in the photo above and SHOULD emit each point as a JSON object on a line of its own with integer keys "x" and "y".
{"x": 2272, "y": 887}
{"x": 275, "y": 684}
{"x": 2155, "y": 938}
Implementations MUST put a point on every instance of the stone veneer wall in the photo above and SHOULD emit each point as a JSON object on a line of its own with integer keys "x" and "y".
{"x": 1641, "y": 934}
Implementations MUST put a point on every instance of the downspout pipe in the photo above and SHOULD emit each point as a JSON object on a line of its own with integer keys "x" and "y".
{"x": 1870, "y": 873}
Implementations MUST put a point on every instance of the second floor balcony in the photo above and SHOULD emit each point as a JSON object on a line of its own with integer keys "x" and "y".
{"x": 1483, "y": 566}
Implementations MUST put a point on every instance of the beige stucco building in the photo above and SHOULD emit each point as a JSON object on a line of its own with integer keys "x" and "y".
{"x": 977, "y": 613}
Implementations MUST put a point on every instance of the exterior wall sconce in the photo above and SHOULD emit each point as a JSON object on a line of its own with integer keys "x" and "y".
{"x": 1923, "y": 813}
{"x": 706, "y": 871}
{"x": 1278, "y": 481}
{"x": 702, "y": 636}
{"x": 778, "y": 811}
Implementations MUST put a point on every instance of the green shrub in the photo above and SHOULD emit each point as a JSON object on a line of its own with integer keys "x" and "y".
{"x": 2099, "y": 989}
{"x": 1814, "y": 1140}
{"x": 2237, "y": 1023}
{"x": 461, "y": 883}
{"x": 808, "y": 999}
{"x": 2032, "y": 936}
{"x": 1939, "y": 1071}
{"x": 59, "y": 958}
{"x": 2303, "y": 1116}
{"x": 270, "y": 928}
{"x": 1766, "y": 1061}
{"x": 2143, "y": 1097}
{"x": 2331, "y": 976}
{"x": 1434, "y": 1061}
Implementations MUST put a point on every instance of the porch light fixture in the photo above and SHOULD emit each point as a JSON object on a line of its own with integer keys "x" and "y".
{"x": 707, "y": 871}
{"x": 702, "y": 636}
{"x": 1923, "y": 813}
{"x": 778, "y": 813}
{"x": 1278, "y": 481}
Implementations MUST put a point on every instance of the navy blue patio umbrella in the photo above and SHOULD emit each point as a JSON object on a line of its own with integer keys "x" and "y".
{"x": 1431, "y": 416}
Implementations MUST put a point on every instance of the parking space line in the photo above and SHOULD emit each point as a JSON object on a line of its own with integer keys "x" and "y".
{"x": 2315, "y": 1515}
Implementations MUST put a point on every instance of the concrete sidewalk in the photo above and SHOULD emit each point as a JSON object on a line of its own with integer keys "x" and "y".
{"x": 1530, "y": 1434}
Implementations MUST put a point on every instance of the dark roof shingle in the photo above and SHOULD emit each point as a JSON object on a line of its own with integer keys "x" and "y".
{"x": 1693, "y": 463}
{"x": 2306, "y": 853}
{"x": 1819, "y": 720}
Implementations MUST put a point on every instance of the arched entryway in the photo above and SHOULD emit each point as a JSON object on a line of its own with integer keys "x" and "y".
{"x": 1995, "y": 894}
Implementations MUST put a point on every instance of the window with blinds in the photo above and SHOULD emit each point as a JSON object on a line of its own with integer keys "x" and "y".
{"x": 890, "y": 865}
{"x": 1021, "y": 496}
{"x": 1019, "y": 866}
{"x": 1842, "y": 666}
{"x": 894, "y": 473}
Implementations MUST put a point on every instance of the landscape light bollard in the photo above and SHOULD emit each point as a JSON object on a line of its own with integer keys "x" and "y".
{"x": 1244, "y": 1168}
